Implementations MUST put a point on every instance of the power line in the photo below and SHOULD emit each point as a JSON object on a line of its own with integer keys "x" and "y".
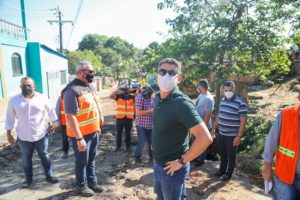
{"x": 60, "y": 24}
{"x": 75, "y": 22}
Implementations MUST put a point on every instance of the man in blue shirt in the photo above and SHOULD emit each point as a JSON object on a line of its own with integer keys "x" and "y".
{"x": 231, "y": 122}
{"x": 204, "y": 106}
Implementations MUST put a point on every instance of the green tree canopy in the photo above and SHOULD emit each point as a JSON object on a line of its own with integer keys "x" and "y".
{"x": 88, "y": 55}
{"x": 242, "y": 37}
{"x": 117, "y": 54}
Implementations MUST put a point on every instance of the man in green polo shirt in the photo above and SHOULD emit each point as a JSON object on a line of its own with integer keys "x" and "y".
{"x": 174, "y": 117}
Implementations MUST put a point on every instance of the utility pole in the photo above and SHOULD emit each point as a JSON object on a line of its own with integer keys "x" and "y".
{"x": 60, "y": 24}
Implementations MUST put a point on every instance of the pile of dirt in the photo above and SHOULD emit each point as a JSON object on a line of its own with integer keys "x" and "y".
{"x": 8, "y": 154}
{"x": 269, "y": 101}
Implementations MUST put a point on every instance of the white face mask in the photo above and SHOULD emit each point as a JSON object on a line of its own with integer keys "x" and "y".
{"x": 228, "y": 94}
{"x": 166, "y": 83}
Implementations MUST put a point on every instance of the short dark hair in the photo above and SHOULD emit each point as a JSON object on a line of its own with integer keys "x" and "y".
{"x": 25, "y": 79}
{"x": 171, "y": 61}
{"x": 203, "y": 83}
{"x": 229, "y": 83}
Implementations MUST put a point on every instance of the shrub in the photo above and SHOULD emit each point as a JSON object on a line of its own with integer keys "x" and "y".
{"x": 256, "y": 131}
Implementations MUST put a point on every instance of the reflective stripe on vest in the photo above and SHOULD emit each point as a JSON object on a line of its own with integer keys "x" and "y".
{"x": 86, "y": 110}
{"x": 125, "y": 108}
{"x": 87, "y": 116}
{"x": 63, "y": 120}
{"x": 287, "y": 153}
{"x": 125, "y": 113}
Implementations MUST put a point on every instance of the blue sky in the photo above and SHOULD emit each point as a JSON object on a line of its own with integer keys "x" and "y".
{"x": 137, "y": 21}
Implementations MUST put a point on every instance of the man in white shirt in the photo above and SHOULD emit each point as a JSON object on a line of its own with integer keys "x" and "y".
{"x": 29, "y": 108}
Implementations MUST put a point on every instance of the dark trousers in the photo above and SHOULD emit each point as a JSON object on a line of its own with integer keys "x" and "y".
{"x": 121, "y": 124}
{"x": 41, "y": 147}
{"x": 65, "y": 139}
{"x": 202, "y": 157}
{"x": 227, "y": 153}
{"x": 85, "y": 169}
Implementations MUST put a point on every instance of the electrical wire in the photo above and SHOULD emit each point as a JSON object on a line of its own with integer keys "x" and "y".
{"x": 74, "y": 22}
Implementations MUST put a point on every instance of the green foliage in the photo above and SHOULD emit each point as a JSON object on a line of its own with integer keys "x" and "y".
{"x": 296, "y": 38}
{"x": 119, "y": 57}
{"x": 242, "y": 38}
{"x": 88, "y": 55}
{"x": 92, "y": 41}
{"x": 256, "y": 131}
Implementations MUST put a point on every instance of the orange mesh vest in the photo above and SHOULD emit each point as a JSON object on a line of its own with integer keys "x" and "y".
{"x": 288, "y": 149}
{"x": 88, "y": 116}
{"x": 125, "y": 108}
{"x": 62, "y": 112}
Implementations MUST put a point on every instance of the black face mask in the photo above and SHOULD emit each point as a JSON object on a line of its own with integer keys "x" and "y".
{"x": 147, "y": 92}
{"x": 27, "y": 91}
{"x": 89, "y": 77}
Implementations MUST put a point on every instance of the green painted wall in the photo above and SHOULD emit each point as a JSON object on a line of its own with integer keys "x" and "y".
{"x": 34, "y": 65}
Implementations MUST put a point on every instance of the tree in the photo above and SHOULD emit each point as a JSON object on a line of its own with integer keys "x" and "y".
{"x": 122, "y": 47}
{"x": 88, "y": 55}
{"x": 92, "y": 42}
{"x": 117, "y": 54}
{"x": 241, "y": 37}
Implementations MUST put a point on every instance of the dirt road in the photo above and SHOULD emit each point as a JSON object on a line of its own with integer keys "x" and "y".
{"x": 117, "y": 172}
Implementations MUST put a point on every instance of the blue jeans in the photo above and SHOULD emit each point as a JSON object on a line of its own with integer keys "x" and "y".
{"x": 202, "y": 157}
{"x": 41, "y": 147}
{"x": 285, "y": 191}
{"x": 85, "y": 169}
{"x": 170, "y": 187}
{"x": 65, "y": 139}
{"x": 143, "y": 136}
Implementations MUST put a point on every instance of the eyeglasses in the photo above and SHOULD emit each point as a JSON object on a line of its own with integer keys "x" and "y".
{"x": 163, "y": 72}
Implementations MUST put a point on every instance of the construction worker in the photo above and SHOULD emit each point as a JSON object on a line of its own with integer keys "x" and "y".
{"x": 124, "y": 115}
{"x": 283, "y": 141}
{"x": 83, "y": 116}
{"x": 60, "y": 111}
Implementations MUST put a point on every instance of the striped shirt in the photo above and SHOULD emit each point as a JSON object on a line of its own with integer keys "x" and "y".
{"x": 230, "y": 113}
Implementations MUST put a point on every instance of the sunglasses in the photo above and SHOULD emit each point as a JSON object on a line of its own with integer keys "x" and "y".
{"x": 163, "y": 72}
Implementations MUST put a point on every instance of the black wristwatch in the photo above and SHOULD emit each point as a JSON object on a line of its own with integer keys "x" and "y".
{"x": 78, "y": 139}
{"x": 181, "y": 161}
